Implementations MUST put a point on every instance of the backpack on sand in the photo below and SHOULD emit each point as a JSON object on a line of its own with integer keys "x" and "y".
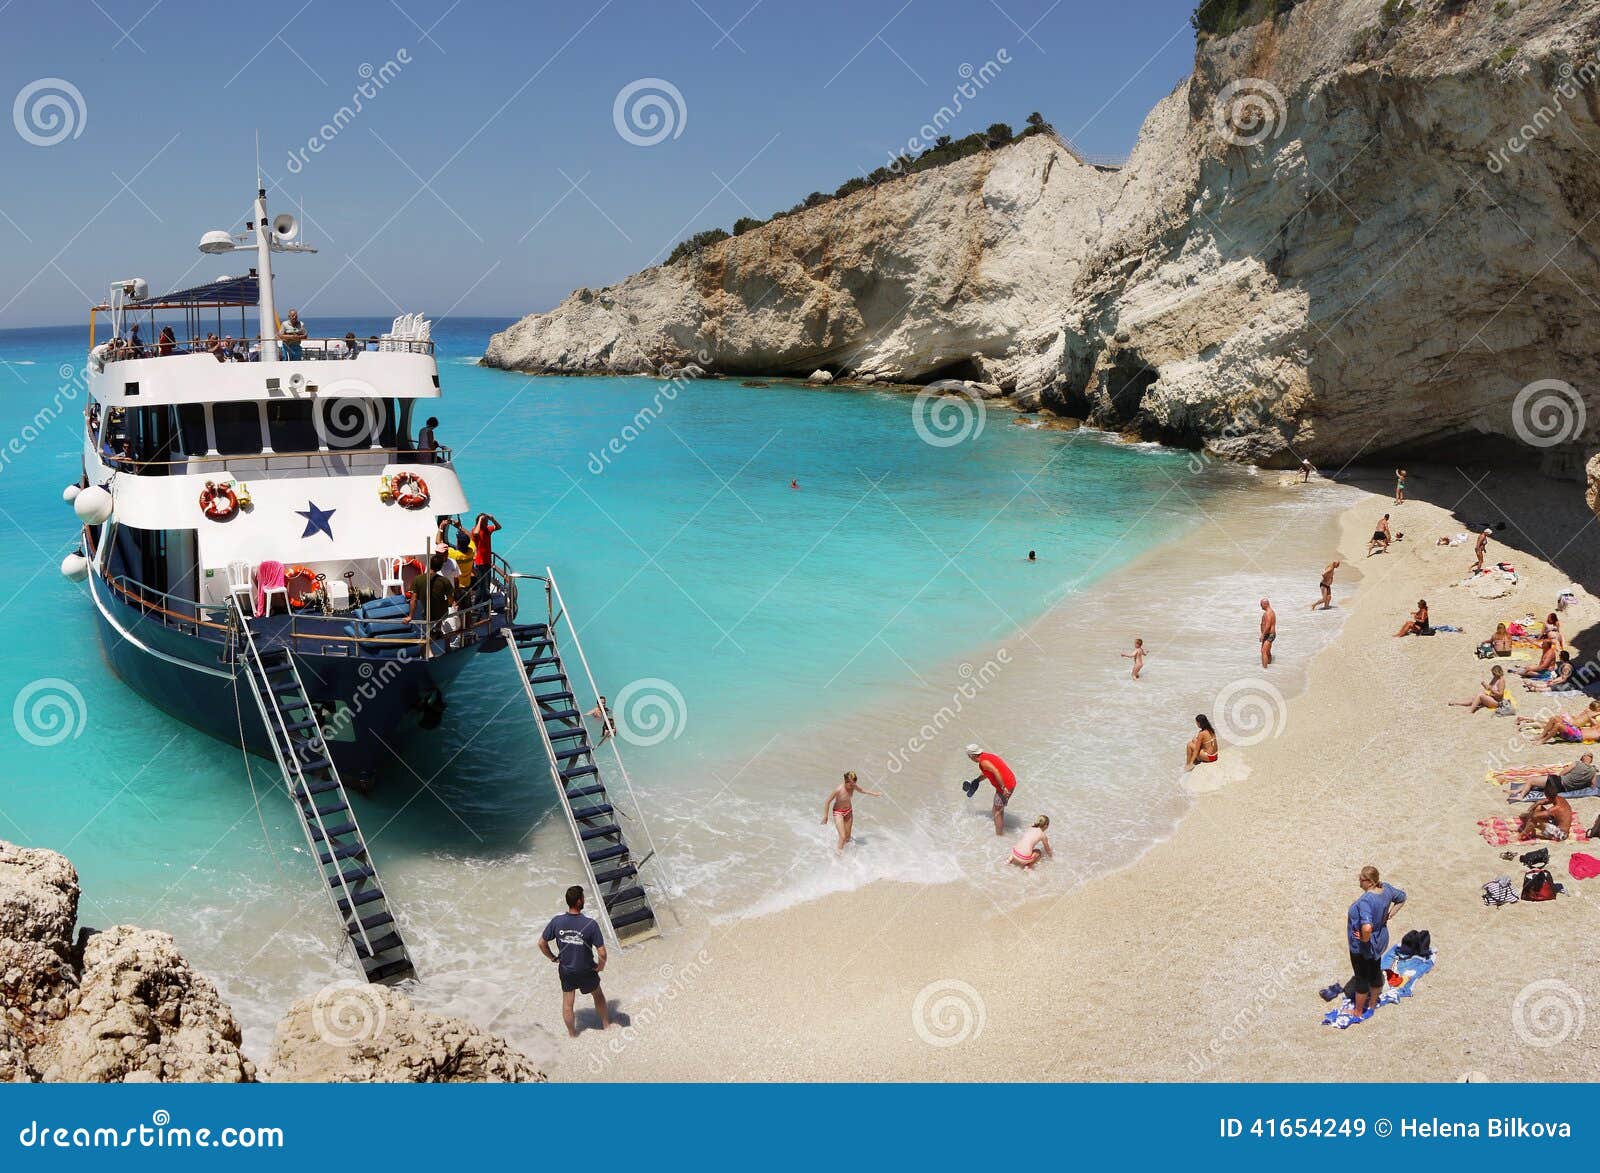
{"x": 1537, "y": 885}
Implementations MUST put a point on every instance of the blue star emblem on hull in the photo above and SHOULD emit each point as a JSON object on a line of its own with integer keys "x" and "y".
{"x": 316, "y": 520}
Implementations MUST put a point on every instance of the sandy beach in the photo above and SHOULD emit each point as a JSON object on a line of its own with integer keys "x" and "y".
{"x": 1201, "y": 958}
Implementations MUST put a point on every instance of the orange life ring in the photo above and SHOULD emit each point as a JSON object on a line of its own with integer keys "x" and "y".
{"x": 218, "y": 502}
{"x": 410, "y": 491}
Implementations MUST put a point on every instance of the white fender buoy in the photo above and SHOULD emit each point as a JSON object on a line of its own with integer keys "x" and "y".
{"x": 69, "y": 494}
{"x": 75, "y": 567}
{"x": 93, "y": 505}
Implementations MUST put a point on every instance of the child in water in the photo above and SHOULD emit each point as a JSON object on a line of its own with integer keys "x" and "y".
{"x": 1137, "y": 656}
{"x": 1033, "y": 845}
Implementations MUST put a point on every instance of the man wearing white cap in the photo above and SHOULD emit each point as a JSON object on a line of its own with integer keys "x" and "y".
{"x": 1000, "y": 776}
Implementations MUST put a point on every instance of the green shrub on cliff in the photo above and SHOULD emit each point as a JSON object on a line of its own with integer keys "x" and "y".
{"x": 1218, "y": 18}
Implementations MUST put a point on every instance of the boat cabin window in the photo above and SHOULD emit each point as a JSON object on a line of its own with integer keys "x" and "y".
{"x": 238, "y": 428}
{"x": 289, "y": 425}
{"x": 192, "y": 428}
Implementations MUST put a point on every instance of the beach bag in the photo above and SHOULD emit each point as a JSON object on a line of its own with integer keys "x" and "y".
{"x": 1536, "y": 858}
{"x": 1486, "y": 651}
{"x": 1537, "y": 885}
{"x": 1498, "y": 891}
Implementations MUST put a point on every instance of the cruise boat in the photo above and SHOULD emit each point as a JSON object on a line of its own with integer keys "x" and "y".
{"x": 255, "y": 508}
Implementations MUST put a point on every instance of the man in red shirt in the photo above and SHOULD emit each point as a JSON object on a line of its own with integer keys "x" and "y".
{"x": 999, "y": 774}
{"x": 482, "y": 555}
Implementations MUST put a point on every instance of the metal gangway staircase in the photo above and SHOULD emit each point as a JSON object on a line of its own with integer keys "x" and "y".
{"x": 625, "y": 913}
{"x": 309, "y": 775}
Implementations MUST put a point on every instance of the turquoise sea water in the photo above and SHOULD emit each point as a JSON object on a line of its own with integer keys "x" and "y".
{"x": 686, "y": 558}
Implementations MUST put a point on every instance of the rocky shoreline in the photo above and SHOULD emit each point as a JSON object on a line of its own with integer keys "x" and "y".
{"x": 1334, "y": 238}
{"x": 123, "y": 1005}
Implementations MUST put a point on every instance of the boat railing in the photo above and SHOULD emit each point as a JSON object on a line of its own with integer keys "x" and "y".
{"x": 307, "y": 628}
{"x": 248, "y": 464}
{"x": 310, "y": 349}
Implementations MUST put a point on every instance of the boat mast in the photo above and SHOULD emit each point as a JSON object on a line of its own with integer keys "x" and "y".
{"x": 265, "y": 306}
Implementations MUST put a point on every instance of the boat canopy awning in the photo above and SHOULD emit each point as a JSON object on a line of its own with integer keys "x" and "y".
{"x": 227, "y": 291}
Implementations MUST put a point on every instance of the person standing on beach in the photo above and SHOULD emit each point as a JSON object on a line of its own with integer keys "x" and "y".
{"x": 993, "y": 767}
{"x": 1399, "y": 486}
{"x": 1305, "y": 470}
{"x": 1137, "y": 656}
{"x": 581, "y": 958}
{"x": 1481, "y": 549}
{"x": 1367, "y": 929}
{"x": 840, "y": 807}
{"x": 1269, "y": 632}
{"x": 1326, "y": 586}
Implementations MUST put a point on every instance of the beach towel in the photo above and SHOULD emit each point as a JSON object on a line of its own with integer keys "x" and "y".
{"x": 1523, "y": 773}
{"x": 1536, "y": 794}
{"x": 1447, "y": 628}
{"x": 1583, "y": 867}
{"x": 1501, "y": 832}
{"x": 1401, "y": 976}
{"x": 269, "y": 576}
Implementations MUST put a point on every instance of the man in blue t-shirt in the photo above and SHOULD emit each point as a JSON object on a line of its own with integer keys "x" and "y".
{"x": 580, "y": 944}
{"x": 1367, "y": 931}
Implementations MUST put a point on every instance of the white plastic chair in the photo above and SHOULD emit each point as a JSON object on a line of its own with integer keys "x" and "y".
{"x": 281, "y": 592}
{"x": 241, "y": 580}
{"x": 389, "y": 574}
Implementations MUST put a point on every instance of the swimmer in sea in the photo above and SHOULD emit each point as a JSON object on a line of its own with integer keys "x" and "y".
{"x": 1269, "y": 632}
{"x": 1137, "y": 656}
{"x": 1032, "y": 557}
{"x": 1034, "y": 844}
{"x": 1326, "y": 587}
{"x": 795, "y": 483}
{"x": 841, "y": 809}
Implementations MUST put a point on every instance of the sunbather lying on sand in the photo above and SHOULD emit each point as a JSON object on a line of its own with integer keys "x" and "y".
{"x": 1564, "y": 727}
{"x": 1578, "y": 776}
{"x": 1491, "y": 695}
{"x": 1550, "y": 817}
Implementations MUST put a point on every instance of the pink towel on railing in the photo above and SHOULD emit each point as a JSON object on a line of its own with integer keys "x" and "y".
{"x": 269, "y": 576}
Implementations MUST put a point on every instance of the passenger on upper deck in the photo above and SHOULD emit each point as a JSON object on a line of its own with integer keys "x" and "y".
{"x": 352, "y": 345}
{"x": 167, "y": 342}
{"x": 293, "y": 334}
{"x": 426, "y": 444}
{"x": 133, "y": 342}
{"x": 214, "y": 348}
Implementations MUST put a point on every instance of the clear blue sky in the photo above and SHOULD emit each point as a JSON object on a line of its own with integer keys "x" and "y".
{"x": 487, "y": 176}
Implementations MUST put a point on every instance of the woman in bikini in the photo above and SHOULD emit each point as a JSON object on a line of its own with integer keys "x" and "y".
{"x": 1564, "y": 726}
{"x": 1500, "y": 641}
{"x": 1033, "y": 845}
{"x": 1493, "y": 693}
{"x": 1552, "y": 628}
{"x": 1202, "y": 746}
{"x": 1418, "y": 623}
{"x": 840, "y": 807}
